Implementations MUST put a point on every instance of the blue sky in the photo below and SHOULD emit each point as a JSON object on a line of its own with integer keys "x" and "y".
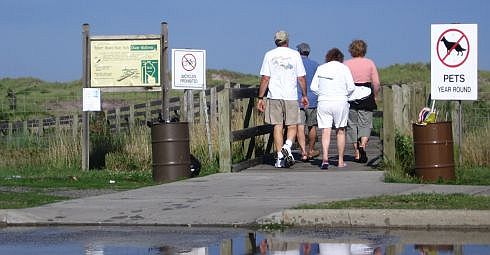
{"x": 42, "y": 38}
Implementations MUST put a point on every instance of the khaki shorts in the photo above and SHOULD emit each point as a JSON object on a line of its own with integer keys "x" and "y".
{"x": 281, "y": 112}
{"x": 308, "y": 117}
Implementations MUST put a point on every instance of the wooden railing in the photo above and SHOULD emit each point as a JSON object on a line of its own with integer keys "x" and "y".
{"x": 254, "y": 151}
{"x": 231, "y": 108}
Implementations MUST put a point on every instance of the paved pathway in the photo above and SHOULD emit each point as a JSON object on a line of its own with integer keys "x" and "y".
{"x": 226, "y": 199}
{"x": 261, "y": 194}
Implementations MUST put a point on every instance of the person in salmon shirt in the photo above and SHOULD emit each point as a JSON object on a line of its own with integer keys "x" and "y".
{"x": 360, "y": 120}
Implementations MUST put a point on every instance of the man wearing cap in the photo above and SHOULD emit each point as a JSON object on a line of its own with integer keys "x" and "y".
{"x": 282, "y": 69}
{"x": 307, "y": 115}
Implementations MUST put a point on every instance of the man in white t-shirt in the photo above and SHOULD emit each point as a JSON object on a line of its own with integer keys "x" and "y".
{"x": 282, "y": 69}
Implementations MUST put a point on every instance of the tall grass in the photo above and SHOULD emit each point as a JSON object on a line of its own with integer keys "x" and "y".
{"x": 475, "y": 148}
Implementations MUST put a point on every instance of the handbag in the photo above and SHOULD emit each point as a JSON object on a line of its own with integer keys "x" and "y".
{"x": 367, "y": 103}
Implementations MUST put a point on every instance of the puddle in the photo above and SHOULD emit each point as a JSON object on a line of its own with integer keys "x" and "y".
{"x": 236, "y": 241}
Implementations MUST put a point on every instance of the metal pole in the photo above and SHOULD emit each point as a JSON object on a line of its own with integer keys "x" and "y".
{"x": 85, "y": 75}
{"x": 460, "y": 131}
{"x": 164, "y": 72}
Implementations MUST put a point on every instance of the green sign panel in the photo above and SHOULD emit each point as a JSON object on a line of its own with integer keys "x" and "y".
{"x": 149, "y": 71}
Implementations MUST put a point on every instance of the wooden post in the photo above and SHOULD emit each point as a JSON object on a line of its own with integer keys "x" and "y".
{"x": 224, "y": 130}
{"x": 183, "y": 107}
{"x": 213, "y": 109}
{"x": 131, "y": 117}
{"x": 204, "y": 116}
{"x": 25, "y": 128}
{"x": 10, "y": 131}
{"x": 57, "y": 124}
{"x": 460, "y": 132}
{"x": 118, "y": 120}
{"x": 75, "y": 126}
{"x": 397, "y": 106}
{"x": 164, "y": 72}
{"x": 202, "y": 107}
{"x": 226, "y": 247}
{"x": 85, "y": 84}
{"x": 388, "y": 135}
{"x": 40, "y": 126}
{"x": 406, "y": 127}
{"x": 190, "y": 107}
{"x": 148, "y": 111}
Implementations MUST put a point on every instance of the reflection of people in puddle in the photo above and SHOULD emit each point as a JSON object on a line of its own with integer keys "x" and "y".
{"x": 348, "y": 249}
{"x": 309, "y": 249}
{"x": 377, "y": 251}
{"x": 280, "y": 247}
{"x": 263, "y": 247}
{"x": 433, "y": 249}
{"x": 334, "y": 248}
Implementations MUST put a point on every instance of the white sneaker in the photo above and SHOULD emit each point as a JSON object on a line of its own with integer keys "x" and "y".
{"x": 280, "y": 163}
{"x": 286, "y": 151}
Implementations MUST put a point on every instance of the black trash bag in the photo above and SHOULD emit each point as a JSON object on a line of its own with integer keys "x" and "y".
{"x": 195, "y": 166}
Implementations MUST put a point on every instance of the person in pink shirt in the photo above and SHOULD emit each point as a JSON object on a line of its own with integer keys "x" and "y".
{"x": 360, "y": 120}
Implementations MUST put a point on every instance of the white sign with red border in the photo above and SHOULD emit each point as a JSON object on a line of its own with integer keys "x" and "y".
{"x": 454, "y": 61}
{"x": 188, "y": 69}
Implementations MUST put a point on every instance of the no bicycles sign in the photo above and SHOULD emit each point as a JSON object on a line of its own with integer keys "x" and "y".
{"x": 454, "y": 63}
{"x": 188, "y": 69}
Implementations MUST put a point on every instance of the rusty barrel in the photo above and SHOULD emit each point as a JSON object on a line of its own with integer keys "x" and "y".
{"x": 170, "y": 151}
{"x": 433, "y": 145}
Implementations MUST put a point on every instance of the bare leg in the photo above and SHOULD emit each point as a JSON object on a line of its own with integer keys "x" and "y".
{"x": 325, "y": 143}
{"x": 291, "y": 133}
{"x": 356, "y": 151}
{"x": 302, "y": 141}
{"x": 311, "y": 140}
{"x": 341, "y": 145}
{"x": 278, "y": 140}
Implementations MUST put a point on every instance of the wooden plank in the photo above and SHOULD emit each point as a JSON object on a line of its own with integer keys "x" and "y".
{"x": 131, "y": 117}
{"x": 213, "y": 108}
{"x": 388, "y": 133}
{"x": 247, "y": 133}
{"x": 239, "y": 93}
{"x": 224, "y": 131}
{"x": 397, "y": 106}
{"x": 74, "y": 125}
{"x": 406, "y": 122}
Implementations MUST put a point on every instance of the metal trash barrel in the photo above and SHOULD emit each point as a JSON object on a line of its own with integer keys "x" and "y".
{"x": 433, "y": 145}
{"x": 170, "y": 151}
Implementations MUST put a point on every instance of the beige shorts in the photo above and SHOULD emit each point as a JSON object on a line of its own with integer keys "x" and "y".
{"x": 281, "y": 112}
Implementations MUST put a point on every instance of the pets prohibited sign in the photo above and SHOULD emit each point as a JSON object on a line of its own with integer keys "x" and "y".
{"x": 454, "y": 61}
{"x": 188, "y": 69}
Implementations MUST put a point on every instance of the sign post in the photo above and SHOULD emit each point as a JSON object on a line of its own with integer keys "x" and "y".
{"x": 454, "y": 65}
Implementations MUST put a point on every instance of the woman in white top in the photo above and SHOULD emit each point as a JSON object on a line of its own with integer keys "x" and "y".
{"x": 333, "y": 83}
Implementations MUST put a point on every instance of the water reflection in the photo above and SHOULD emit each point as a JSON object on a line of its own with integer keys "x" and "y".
{"x": 234, "y": 241}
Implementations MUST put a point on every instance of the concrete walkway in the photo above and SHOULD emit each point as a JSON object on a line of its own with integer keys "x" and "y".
{"x": 258, "y": 195}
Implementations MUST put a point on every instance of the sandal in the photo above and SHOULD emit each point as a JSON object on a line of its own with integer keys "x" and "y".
{"x": 363, "y": 157}
{"x": 313, "y": 155}
{"x": 342, "y": 166}
{"x": 305, "y": 158}
{"x": 324, "y": 166}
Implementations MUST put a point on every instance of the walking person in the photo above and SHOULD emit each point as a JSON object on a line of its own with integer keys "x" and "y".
{"x": 281, "y": 70}
{"x": 360, "y": 121}
{"x": 333, "y": 84}
{"x": 307, "y": 114}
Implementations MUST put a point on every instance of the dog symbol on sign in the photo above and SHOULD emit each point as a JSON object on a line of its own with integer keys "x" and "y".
{"x": 450, "y": 45}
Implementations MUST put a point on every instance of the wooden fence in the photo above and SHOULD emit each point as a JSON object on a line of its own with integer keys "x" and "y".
{"x": 401, "y": 106}
{"x": 232, "y": 113}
